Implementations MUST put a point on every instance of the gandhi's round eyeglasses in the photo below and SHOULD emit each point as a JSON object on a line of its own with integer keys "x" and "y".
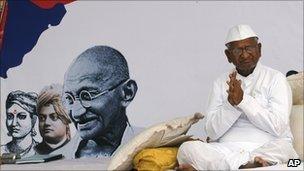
{"x": 85, "y": 97}
{"x": 238, "y": 51}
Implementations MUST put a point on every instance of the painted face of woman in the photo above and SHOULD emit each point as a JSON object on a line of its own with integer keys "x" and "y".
{"x": 18, "y": 121}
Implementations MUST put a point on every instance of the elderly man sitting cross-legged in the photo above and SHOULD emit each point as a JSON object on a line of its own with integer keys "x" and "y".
{"x": 247, "y": 115}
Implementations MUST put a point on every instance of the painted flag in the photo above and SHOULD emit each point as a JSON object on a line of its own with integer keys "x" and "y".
{"x": 3, "y": 15}
{"x": 25, "y": 21}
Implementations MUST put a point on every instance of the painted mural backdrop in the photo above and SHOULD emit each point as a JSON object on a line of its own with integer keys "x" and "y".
{"x": 81, "y": 78}
{"x": 94, "y": 96}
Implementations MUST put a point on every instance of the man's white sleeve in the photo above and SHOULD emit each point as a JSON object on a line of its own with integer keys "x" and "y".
{"x": 273, "y": 118}
{"x": 220, "y": 114}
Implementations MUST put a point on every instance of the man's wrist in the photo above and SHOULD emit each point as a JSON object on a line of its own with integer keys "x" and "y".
{"x": 245, "y": 102}
{"x": 231, "y": 107}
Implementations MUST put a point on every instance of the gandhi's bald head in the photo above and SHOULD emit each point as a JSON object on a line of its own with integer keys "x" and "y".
{"x": 106, "y": 62}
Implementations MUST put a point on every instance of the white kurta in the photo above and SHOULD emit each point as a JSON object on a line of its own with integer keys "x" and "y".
{"x": 239, "y": 133}
{"x": 262, "y": 115}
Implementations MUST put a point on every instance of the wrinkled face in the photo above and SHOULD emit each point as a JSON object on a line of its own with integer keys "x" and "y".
{"x": 244, "y": 54}
{"x": 91, "y": 119}
{"x": 51, "y": 128}
{"x": 18, "y": 121}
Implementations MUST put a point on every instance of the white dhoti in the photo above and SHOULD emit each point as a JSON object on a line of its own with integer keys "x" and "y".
{"x": 231, "y": 155}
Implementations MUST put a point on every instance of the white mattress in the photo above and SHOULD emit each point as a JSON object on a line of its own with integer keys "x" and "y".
{"x": 101, "y": 164}
{"x": 278, "y": 167}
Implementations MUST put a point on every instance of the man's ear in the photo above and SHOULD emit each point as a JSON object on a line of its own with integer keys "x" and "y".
{"x": 129, "y": 90}
{"x": 260, "y": 49}
{"x": 228, "y": 55}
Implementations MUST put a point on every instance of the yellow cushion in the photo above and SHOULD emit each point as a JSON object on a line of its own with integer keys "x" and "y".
{"x": 163, "y": 158}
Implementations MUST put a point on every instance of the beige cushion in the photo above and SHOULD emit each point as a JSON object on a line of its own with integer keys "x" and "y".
{"x": 296, "y": 84}
{"x": 169, "y": 133}
{"x": 296, "y": 125}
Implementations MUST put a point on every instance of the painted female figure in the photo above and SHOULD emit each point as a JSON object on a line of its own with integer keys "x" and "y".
{"x": 21, "y": 117}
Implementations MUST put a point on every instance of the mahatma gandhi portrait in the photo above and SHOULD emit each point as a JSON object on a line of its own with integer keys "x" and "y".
{"x": 97, "y": 91}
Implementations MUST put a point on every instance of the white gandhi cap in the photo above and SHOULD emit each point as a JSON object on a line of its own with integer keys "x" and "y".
{"x": 239, "y": 32}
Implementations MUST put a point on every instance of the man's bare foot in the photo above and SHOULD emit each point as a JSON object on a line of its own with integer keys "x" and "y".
{"x": 258, "y": 162}
{"x": 185, "y": 167}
